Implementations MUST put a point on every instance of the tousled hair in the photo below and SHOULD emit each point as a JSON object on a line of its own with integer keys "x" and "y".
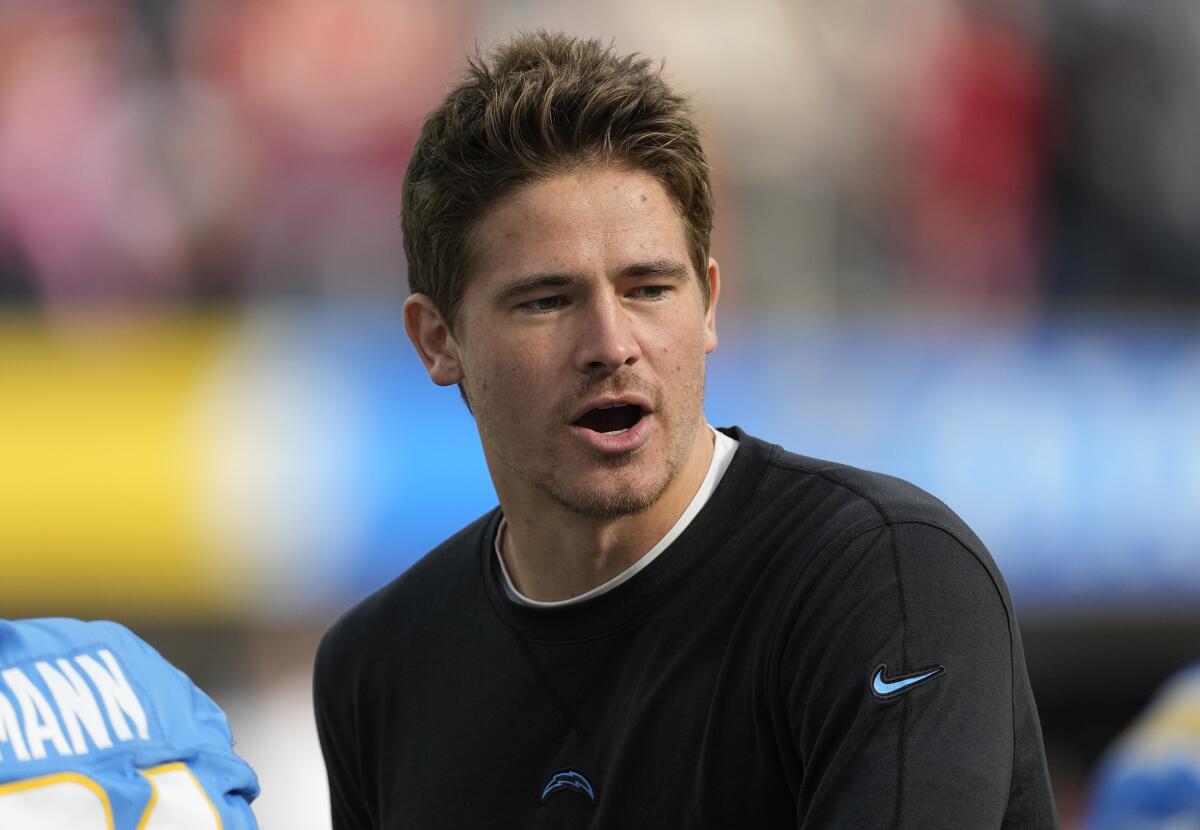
{"x": 540, "y": 104}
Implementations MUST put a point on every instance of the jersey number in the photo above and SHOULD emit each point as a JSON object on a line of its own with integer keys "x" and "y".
{"x": 69, "y": 799}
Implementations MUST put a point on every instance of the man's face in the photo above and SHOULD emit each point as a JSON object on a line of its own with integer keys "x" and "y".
{"x": 581, "y": 342}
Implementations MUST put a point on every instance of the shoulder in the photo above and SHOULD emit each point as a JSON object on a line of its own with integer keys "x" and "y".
{"x": 842, "y": 496}
{"x": 417, "y": 599}
{"x": 872, "y": 556}
{"x": 49, "y": 637}
{"x": 848, "y": 523}
{"x": 1153, "y": 766}
{"x": 152, "y": 708}
{"x": 871, "y": 494}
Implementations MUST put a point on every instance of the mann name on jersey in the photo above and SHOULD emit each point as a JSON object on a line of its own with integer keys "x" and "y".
{"x": 69, "y": 705}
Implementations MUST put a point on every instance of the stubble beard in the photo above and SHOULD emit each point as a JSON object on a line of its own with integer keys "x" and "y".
{"x": 625, "y": 501}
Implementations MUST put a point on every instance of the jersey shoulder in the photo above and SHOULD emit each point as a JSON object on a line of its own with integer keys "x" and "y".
{"x": 93, "y": 703}
{"x": 1151, "y": 776}
{"x": 108, "y": 653}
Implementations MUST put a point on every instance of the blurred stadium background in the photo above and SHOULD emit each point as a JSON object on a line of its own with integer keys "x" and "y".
{"x": 961, "y": 244}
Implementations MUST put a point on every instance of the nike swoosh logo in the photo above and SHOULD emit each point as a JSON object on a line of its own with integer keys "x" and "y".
{"x": 886, "y": 688}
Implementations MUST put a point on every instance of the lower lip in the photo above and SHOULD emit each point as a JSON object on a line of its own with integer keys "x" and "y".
{"x": 628, "y": 441}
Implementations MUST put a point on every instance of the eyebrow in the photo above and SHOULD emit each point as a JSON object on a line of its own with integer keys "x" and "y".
{"x": 665, "y": 268}
{"x": 661, "y": 268}
{"x": 525, "y": 285}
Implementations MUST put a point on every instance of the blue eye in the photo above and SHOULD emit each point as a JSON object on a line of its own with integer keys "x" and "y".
{"x": 651, "y": 292}
{"x": 543, "y": 304}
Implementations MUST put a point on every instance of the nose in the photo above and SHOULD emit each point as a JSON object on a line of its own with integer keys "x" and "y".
{"x": 607, "y": 340}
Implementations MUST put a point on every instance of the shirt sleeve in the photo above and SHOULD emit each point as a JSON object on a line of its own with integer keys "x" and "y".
{"x": 897, "y": 678}
{"x": 333, "y": 707}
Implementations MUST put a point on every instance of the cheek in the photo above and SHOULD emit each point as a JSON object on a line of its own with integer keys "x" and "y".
{"x": 509, "y": 378}
{"x": 680, "y": 353}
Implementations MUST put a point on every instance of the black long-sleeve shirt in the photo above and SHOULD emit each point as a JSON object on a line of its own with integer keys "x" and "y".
{"x": 821, "y": 647}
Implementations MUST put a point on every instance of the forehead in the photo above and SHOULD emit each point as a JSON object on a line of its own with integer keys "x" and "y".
{"x": 577, "y": 221}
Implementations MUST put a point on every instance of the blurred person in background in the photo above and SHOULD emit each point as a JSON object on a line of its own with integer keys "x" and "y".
{"x": 976, "y": 150}
{"x": 663, "y": 624}
{"x": 1124, "y": 206}
{"x": 135, "y": 745}
{"x": 1150, "y": 778}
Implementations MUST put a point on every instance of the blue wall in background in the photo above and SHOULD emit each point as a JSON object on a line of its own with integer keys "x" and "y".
{"x": 1072, "y": 449}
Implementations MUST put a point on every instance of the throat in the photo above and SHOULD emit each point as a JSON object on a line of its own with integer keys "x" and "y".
{"x": 595, "y": 560}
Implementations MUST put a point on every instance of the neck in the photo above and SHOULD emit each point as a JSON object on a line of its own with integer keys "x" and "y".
{"x": 552, "y": 553}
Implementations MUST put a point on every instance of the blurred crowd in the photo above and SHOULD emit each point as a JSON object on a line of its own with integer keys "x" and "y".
{"x": 1025, "y": 155}
{"x": 157, "y": 155}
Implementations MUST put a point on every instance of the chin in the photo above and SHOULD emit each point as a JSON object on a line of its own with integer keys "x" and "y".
{"x": 610, "y": 502}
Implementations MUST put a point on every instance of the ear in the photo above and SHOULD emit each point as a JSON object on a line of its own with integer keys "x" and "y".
{"x": 710, "y": 316}
{"x": 432, "y": 339}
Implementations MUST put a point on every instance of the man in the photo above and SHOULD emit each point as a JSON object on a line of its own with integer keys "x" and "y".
{"x": 99, "y": 732}
{"x": 662, "y": 625}
{"x": 1150, "y": 776}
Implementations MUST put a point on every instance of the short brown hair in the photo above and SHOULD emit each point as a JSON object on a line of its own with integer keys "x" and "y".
{"x": 540, "y": 104}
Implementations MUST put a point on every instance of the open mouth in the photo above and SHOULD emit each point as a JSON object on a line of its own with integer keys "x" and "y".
{"x": 611, "y": 420}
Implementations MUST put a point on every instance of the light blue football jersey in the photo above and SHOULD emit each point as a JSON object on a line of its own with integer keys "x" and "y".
{"x": 99, "y": 732}
{"x": 1150, "y": 778}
